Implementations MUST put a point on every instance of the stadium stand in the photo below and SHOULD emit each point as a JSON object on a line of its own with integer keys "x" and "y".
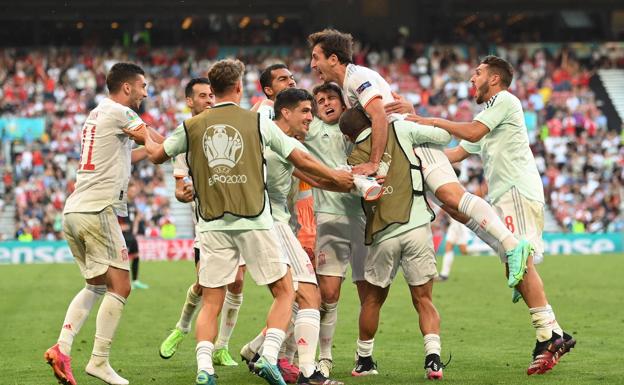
{"x": 554, "y": 84}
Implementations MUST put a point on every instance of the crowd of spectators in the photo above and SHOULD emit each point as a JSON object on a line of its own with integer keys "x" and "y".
{"x": 581, "y": 162}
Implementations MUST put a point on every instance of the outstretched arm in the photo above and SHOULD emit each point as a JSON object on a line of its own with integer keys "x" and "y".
{"x": 456, "y": 154}
{"x": 306, "y": 162}
{"x": 318, "y": 182}
{"x": 470, "y": 131}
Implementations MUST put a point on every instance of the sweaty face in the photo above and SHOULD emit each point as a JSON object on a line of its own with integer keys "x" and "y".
{"x": 329, "y": 106}
{"x": 282, "y": 79}
{"x": 480, "y": 80}
{"x": 138, "y": 91}
{"x": 202, "y": 99}
{"x": 322, "y": 65}
{"x": 299, "y": 120}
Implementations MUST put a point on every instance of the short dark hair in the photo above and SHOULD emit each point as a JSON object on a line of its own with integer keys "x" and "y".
{"x": 334, "y": 42}
{"x": 122, "y": 73}
{"x": 188, "y": 90}
{"x": 266, "y": 77}
{"x": 224, "y": 75}
{"x": 353, "y": 121}
{"x": 290, "y": 98}
{"x": 329, "y": 87}
{"x": 501, "y": 67}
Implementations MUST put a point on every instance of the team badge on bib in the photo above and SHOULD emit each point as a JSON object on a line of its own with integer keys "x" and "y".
{"x": 223, "y": 147}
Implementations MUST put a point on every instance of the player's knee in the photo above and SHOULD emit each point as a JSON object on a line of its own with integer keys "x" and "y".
{"x": 308, "y": 296}
{"x": 450, "y": 194}
{"x": 330, "y": 294}
{"x": 236, "y": 287}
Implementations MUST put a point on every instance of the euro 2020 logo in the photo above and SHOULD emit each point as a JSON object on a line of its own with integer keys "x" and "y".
{"x": 223, "y": 147}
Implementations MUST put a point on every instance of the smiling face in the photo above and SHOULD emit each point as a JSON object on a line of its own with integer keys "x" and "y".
{"x": 202, "y": 98}
{"x": 298, "y": 120}
{"x": 324, "y": 66}
{"x": 137, "y": 91}
{"x": 329, "y": 106}
{"x": 281, "y": 79}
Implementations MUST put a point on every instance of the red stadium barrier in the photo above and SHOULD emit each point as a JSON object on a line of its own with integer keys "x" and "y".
{"x": 162, "y": 250}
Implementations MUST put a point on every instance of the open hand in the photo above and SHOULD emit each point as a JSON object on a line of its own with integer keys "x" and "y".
{"x": 366, "y": 168}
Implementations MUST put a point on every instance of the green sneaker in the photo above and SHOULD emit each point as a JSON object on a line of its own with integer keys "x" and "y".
{"x": 222, "y": 357}
{"x": 139, "y": 285}
{"x": 203, "y": 378}
{"x": 515, "y": 295}
{"x": 170, "y": 344}
{"x": 270, "y": 373}
{"x": 517, "y": 262}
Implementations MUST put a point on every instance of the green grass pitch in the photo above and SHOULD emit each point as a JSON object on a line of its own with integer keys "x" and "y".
{"x": 490, "y": 338}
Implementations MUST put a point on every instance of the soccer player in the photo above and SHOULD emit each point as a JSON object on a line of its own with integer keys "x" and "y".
{"x": 293, "y": 114}
{"x": 199, "y": 97}
{"x": 90, "y": 222}
{"x": 273, "y": 80}
{"x": 399, "y": 234}
{"x": 331, "y": 57}
{"x": 499, "y": 135}
{"x": 339, "y": 218}
{"x": 129, "y": 227}
{"x": 225, "y": 152}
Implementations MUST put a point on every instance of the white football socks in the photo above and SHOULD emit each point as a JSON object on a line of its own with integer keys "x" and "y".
{"x": 432, "y": 344}
{"x": 307, "y": 327}
{"x": 272, "y": 341}
{"x": 482, "y": 213}
{"x": 544, "y": 322}
{"x": 329, "y": 316}
{"x": 229, "y": 316}
{"x": 447, "y": 263}
{"x": 203, "y": 352}
{"x": 77, "y": 313}
{"x": 289, "y": 347}
{"x": 365, "y": 348}
{"x": 188, "y": 310}
{"x": 106, "y": 324}
{"x": 255, "y": 344}
{"x": 486, "y": 237}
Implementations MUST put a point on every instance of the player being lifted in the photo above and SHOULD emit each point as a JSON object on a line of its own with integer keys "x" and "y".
{"x": 235, "y": 217}
{"x": 499, "y": 135}
{"x": 293, "y": 114}
{"x": 90, "y": 222}
{"x": 331, "y": 58}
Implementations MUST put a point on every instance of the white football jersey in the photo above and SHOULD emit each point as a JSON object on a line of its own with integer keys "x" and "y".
{"x": 104, "y": 170}
{"x": 361, "y": 85}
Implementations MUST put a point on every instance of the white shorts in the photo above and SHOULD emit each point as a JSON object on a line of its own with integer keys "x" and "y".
{"x": 340, "y": 242}
{"x": 524, "y": 218}
{"x": 457, "y": 233}
{"x": 302, "y": 269}
{"x": 436, "y": 167}
{"x": 413, "y": 250}
{"x": 96, "y": 241}
{"x": 220, "y": 253}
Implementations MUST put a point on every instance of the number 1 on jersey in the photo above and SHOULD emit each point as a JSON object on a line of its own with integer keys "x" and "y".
{"x": 88, "y": 134}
